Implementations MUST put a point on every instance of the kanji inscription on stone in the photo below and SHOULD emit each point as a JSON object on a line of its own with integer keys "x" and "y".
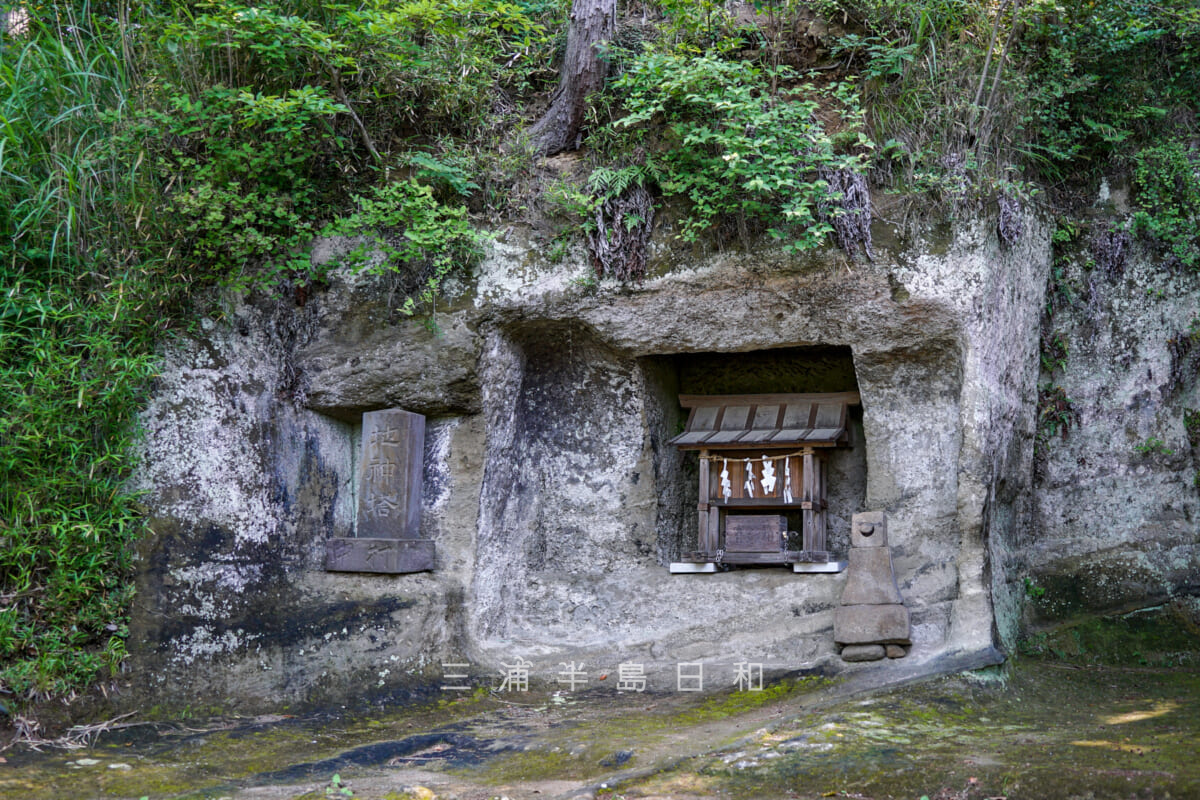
{"x": 388, "y": 533}
{"x": 389, "y": 500}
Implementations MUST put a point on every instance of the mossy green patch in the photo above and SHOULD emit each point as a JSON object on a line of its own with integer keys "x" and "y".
{"x": 1167, "y": 635}
{"x": 542, "y": 764}
{"x": 1048, "y": 729}
{"x": 211, "y": 758}
{"x": 1046, "y": 732}
{"x": 727, "y": 704}
{"x": 584, "y": 751}
{"x": 1085, "y": 586}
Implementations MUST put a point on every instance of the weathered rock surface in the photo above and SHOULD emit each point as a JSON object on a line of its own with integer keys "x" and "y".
{"x": 1117, "y": 515}
{"x": 553, "y": 500}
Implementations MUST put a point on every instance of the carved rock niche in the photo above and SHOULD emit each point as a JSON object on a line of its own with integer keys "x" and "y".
{"x": 388, "y": 524}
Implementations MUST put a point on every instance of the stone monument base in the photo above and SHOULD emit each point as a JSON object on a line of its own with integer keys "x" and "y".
{"x": 379, "y": 555}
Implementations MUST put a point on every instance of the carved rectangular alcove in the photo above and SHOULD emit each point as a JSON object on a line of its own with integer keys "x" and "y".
{"x": 389, "y": 476}
{"x": 763, "y": 453}
{"x": 820, "y": 422}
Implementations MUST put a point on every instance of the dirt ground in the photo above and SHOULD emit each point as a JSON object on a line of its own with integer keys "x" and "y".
{"x": 1044, "y": 728}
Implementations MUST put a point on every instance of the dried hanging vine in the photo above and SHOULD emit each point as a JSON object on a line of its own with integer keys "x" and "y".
{"x": 1109, "y": 249}
{"x": 848, "y": 210}
{"x": 1010, "y": 225}
{"x": 621, "y": 234}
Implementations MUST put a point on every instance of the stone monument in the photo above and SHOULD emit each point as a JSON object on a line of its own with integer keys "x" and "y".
{"x": 871, "y": 621}
{"x": 388, "y": 530}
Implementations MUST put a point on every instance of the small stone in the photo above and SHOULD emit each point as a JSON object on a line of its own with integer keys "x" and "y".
{"x": 119, "y": 765}
{"x": 896, "y": 651}
{"x": 862, "y": 652}
{"x": 87, "y": 762}
{"x": 617, "y": 759}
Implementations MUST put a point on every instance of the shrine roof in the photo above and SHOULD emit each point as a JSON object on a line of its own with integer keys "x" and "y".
{"x": 764, "y": 421}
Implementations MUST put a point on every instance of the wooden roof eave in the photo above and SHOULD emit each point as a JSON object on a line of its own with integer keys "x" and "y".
{"x": 698, "y": 400}
{"x": 749, "y": 433}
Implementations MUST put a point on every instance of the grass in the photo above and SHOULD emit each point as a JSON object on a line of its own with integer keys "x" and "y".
{"x": 75, "y": 358}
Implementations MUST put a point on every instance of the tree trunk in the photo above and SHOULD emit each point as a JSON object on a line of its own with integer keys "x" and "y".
{"x": 583, "y": 72}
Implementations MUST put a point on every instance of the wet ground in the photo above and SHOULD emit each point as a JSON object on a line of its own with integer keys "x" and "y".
{"x": 1040, "y": 729}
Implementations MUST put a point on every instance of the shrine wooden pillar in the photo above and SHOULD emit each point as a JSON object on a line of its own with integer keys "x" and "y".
{"x": 704, "y": 541}
{"x": 813, "y": 502}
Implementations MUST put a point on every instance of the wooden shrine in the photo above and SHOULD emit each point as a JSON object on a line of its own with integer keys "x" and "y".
{"x": 761, "y": 457}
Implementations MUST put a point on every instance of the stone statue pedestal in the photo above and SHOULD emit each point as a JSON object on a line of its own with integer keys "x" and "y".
{"x": 871, "y": 621}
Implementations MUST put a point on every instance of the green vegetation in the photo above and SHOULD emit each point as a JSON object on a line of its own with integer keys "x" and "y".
{"x": 727, "y": 704}
{"x": 1167, "y": 181}
{"x": 337, "y": 788}
{"x": 76, "y": 333}
{"x": 1049, "y": 91}
{"x": 260, "y": 127}
{"x": 1043, "y": 732}
{"x": 1165, "y": 636}
{"x": 1056, "y": 414}
{"x": 146, "y": 159}
{"x": 727, "y": 136}
{"x": 435, "y": 240}
{"x": 1154, "y": 446}
{"x": 1054, "y": 353}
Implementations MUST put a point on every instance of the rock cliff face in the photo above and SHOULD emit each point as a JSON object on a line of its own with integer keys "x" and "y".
{"x": 556, "y": 504}
{"x": 1117, "y": 514}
